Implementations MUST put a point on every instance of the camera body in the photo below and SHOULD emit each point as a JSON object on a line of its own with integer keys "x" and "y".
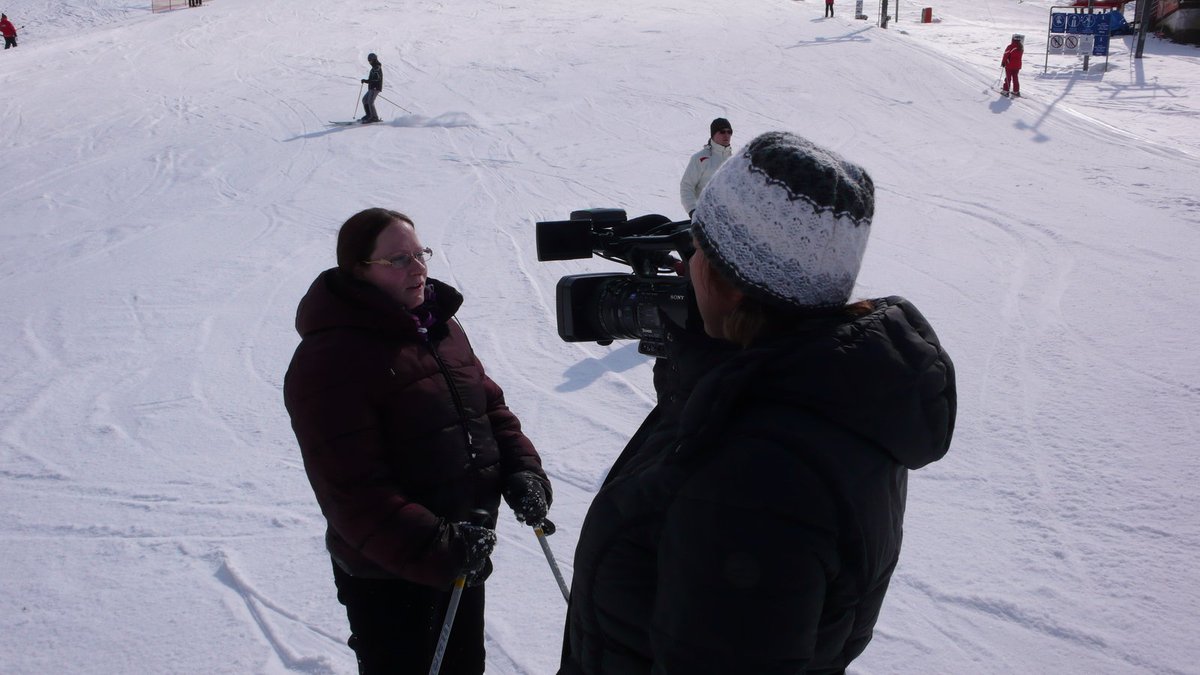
{"x": 606, "y": 307}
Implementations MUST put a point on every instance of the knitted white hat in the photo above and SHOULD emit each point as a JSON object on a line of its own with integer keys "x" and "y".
{"x": 787, "y": 221}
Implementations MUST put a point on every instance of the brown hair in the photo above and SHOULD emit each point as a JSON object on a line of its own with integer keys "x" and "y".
{"x": 753, "y": 318}
{"x": 356, "y": 238}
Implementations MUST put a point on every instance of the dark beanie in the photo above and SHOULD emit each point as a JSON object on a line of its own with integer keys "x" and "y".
{"x": 787, "y": 221}
{"x": 718, "y": 124}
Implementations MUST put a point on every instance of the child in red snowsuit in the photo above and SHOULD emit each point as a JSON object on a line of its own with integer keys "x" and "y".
{"x": 8, "y": 31}
{"x": 1011, "y": 63}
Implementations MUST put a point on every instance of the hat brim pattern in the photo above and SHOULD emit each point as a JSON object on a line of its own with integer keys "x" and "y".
{"x": 787, "y": 222}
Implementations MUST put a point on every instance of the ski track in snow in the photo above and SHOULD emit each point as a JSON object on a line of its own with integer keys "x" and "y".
{"x": 266, "y": 613}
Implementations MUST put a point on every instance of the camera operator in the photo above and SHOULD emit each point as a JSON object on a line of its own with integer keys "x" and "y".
{"x": 753, "y": 522}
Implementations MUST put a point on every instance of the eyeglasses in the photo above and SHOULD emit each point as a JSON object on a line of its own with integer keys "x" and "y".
{"x": 404, "y": 259}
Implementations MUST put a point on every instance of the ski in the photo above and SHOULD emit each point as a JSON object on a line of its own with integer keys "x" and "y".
{"x": 351, "y": 123}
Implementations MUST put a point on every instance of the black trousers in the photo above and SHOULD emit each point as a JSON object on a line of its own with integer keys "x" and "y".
{"x": 369, "y": 104}
{"x": 828, "y": 10}
{"x": 394, "y": 626}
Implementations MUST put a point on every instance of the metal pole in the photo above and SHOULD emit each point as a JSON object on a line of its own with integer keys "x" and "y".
{"x": 1143, "y": 11}
{"x": 478, "y": 517}
{"x": 447, "y": 625}
{"x": 1088, "y": 56}
{"x": 355, "y": 115}
{"x": 562, "y": 585}
{"x": 395, "y": 104}
{"x": 1049, "y": 36}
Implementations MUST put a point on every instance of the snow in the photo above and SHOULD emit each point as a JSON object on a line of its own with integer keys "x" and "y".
{"x": 169, "y": 188}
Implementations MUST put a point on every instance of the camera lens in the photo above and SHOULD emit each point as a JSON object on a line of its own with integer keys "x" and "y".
{"x": 617, "y": 308}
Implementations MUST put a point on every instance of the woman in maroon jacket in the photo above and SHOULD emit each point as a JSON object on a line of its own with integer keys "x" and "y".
{"x": 403, "y": 435}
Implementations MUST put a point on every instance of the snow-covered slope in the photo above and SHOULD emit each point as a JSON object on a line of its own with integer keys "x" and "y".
{"x": 169, "y": 188}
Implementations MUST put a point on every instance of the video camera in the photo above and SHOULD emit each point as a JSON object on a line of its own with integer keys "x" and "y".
{"x": 605, "y": 307}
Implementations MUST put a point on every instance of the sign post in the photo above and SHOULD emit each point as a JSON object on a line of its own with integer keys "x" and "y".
{"x": 1092, "y": 31}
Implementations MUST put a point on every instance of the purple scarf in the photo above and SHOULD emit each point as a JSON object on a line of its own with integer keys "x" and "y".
{"x": 424, "y": 315}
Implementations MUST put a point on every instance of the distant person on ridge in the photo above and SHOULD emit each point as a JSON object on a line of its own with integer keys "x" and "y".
{"x": 374, "y": 84}
{"x": 705, "y": 163}
{"x": 829, "y": 8}
{"x": 8, "y": 31}
{"x": 1011, "y": 63}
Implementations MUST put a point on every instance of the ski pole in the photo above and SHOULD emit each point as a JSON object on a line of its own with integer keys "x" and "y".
{"x": 355, "y": 115}
{"x": 395, "y": 104}
{"x": 562, "y": 585}
{"x": 478, "y": 517}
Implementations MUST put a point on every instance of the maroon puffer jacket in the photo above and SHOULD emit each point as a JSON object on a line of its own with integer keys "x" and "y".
{"x": 401, "y": 436}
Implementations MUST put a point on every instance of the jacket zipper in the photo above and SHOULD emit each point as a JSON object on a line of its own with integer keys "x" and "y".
{"x": 454, "y": 394}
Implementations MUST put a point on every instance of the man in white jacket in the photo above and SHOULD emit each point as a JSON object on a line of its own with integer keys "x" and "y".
{"x": 705, "y": 163}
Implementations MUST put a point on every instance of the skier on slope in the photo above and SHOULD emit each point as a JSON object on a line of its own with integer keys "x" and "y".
{"x": 374, "y": 84}
{"x": 8, "y": 31}
{"x": 1011, "y": 63}
{"x": 754, "y": 520}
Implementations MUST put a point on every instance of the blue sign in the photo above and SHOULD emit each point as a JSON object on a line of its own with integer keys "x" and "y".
{"x": 1058, "y": 22}
{"x": 1100, "y": 46}
{"x": 1082, "y": 24}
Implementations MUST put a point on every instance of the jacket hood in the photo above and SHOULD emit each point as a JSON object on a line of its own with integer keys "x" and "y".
{"x": 883, "y": 376}
{"x": 332, "y": 301}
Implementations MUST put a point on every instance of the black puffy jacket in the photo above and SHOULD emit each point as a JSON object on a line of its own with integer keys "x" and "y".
{"x": 752, "y": 524}
{"x": 401, "y": 436}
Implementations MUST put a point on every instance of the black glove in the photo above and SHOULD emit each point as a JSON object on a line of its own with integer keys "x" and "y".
{"x": 526, "y": 495}
{"x": 478, "y": 577}
{"x": 478, "y": 541}
{"x": 364, "y": 81}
